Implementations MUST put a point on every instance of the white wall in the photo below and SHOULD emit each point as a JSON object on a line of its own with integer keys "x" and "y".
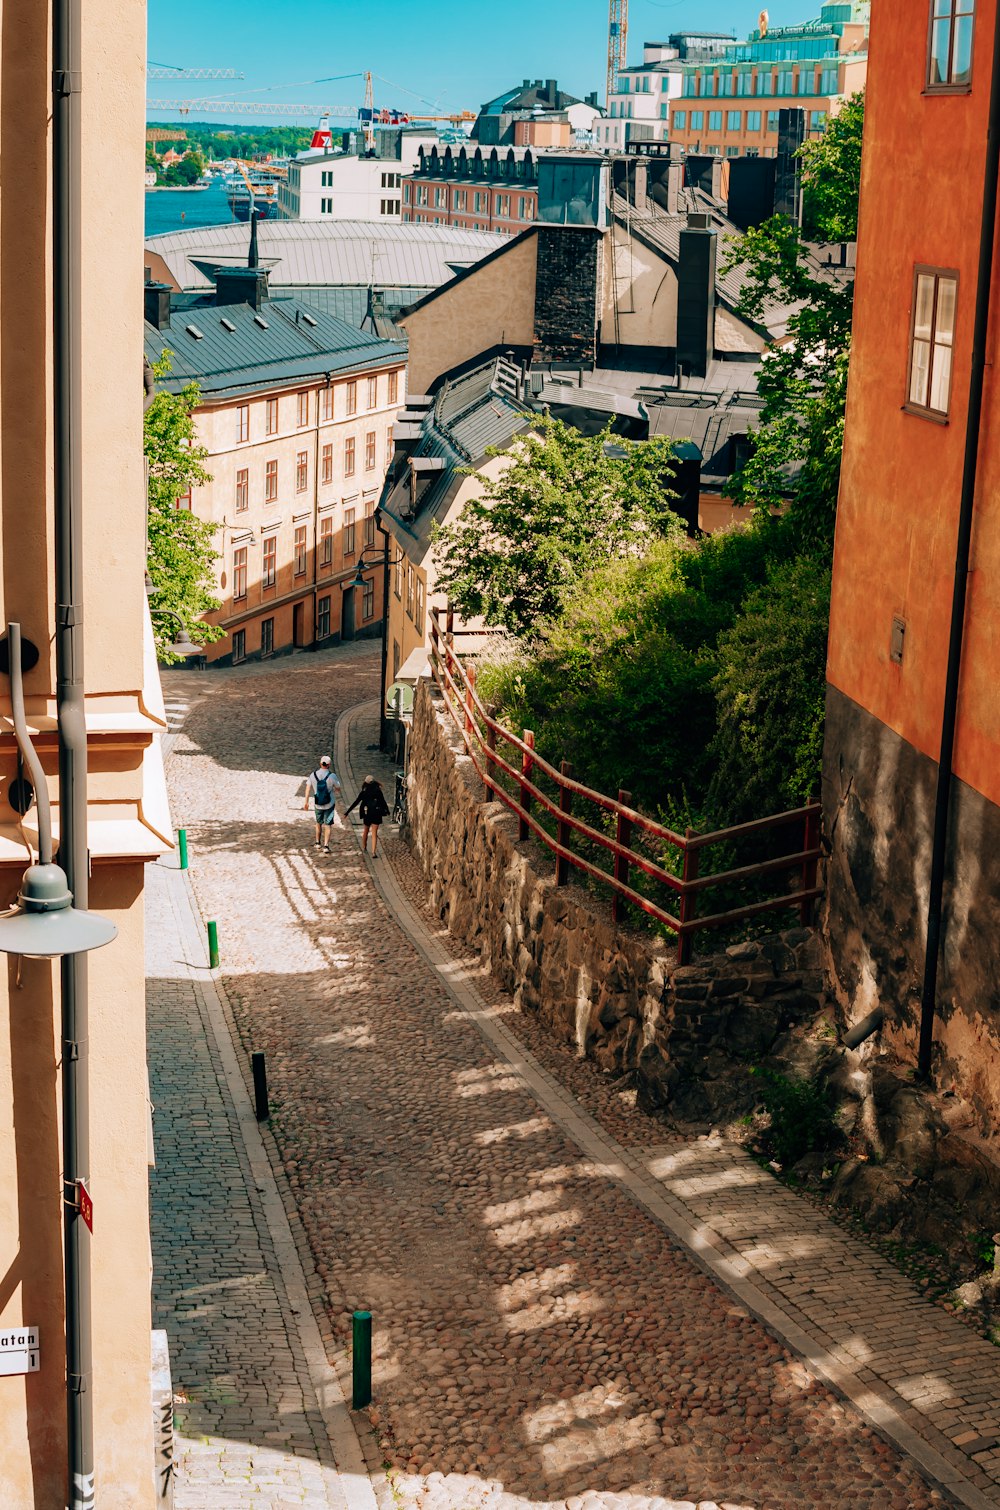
{"x": 343, "y": 187}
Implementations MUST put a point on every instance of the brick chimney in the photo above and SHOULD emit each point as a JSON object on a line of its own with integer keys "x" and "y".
{"x": 696, "y": 295}
{"x": 567, "y": 292}
{"x": 156, "y": 304}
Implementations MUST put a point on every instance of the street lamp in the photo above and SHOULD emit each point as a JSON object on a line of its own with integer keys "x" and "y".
{"x": 183, "y": 646}
{"x": 44, "y": 924}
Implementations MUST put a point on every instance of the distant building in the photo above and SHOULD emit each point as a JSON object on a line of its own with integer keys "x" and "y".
{"x": 639, "y": 110}
{"x": 352, "y": 185}
{"x": 729, "y": 104}
{"x": 297, "y": 414}
{"x": 476, "y": 188}
{"x": 532, "y": 100}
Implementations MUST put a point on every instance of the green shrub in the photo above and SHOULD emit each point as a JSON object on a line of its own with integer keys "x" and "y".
{"x": 801, "y": 1115}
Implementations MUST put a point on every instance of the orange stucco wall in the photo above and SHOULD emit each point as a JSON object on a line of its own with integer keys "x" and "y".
{"x": 922, "y": 184}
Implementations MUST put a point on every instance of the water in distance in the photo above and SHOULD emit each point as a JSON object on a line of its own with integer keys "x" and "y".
{"x": 180, "y": 209}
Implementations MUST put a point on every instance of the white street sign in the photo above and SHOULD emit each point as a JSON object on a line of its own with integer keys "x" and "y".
{"x": 19, "y": 1350}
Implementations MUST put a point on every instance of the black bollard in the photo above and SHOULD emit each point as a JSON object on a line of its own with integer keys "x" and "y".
{"x": 260, "y": 1087}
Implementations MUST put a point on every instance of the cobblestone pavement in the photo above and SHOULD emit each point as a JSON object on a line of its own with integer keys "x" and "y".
{"x": 541, "y": 1339}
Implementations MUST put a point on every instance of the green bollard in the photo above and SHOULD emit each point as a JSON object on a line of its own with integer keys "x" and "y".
{"x": 182, "y": 845}
{"x": 362, "y": 1360}
{"x": 213, "y": 946}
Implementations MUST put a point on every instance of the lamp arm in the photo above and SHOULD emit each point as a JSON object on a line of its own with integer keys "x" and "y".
{"x": 27, "y": 749}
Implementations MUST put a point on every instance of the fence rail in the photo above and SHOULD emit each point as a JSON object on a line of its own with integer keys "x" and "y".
{"x": 511, "y": 771}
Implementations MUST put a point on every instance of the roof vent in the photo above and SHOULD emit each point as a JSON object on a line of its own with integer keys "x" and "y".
{"x": 226, "y": 324}
{"x": 193, "y": 330}
{"x": 308, "y": 319}
{"x": 259, "y": 320}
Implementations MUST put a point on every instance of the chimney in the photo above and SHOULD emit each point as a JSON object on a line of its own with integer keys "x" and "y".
{"x": 751, "y": 191}
{"x": 591, "y": 100}
{"x": 156, "y": 304}
{"x": 788, "y": 165}
{"x": 704, "y": 171}
{"x": 552, "y": 92}
{"x": 696, "y": 295}
{"x": 241, "y": 285}
{"x": 665, "y": 180}
{"x": 640, "y": 198}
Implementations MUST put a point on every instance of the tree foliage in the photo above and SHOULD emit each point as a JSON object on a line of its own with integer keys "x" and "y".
{"x": 180, "y": 552}
{"x": 803, "y": 382}
{"x": 565, "y": 504}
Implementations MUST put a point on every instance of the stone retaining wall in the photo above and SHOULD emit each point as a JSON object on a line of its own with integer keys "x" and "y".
{"x": 617, "y": 994}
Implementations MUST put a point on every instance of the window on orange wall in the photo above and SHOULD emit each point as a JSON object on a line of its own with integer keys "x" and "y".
{"x": 239, "y": 646}
{"x": 302, "y": 411}
{"x": 270, "y": 482}
{"x": 351, "y": 390}
{"x": 370, "y": 451}
{"x": 270, "y": 562}
{"x": 243, "y": 421}
{"x": 409, "y": 589}
{"x": 328, "y": 402}
{"x": 418, "y": 617}
{"x": 372, "y": 392}
{"x": 323, "y": 619}
{"x": 949, "y": 55}
{"x": 370, "y": 522}
{"x": 932, "y": 334}
{"x": 272, "y": 416}
{"x": 301, "y": 471}
{"x": 368, "y": 599}
{"x": 183, "y": 500}
{"x": 394, "y": 388}
{"x": 242, "y": 490}
{"x": 390, "y": 445}
{"x": 349, "y": 533}
{"x": 328, "y": 463}
{"x": 326, "y": 540}
{"x": 239, "y": 573}
{"x": 267, "y": 637}
{"x": 349, "y": 456}
{"x": 397, "y": 576}
{"x": 300, "y": 550}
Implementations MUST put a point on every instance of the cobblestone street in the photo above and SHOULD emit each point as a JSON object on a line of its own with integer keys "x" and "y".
{"x": 541, "y": 1337}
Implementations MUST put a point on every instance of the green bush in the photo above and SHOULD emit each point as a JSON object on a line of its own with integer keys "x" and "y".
{"x": 801, "y": 1116}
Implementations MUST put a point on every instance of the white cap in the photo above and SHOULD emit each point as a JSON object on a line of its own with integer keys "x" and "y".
{"x": 325, "y": 760}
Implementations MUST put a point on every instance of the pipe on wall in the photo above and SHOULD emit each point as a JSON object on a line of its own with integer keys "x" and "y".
{"x": 963, "y": 548}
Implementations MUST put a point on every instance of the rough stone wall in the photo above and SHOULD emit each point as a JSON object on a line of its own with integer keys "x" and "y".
{"x": 878, "y": 799}
{"x": 617, "y": 995}
{"x": 567, "y": 294}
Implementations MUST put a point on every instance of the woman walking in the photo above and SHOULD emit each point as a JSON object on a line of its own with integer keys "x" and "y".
{"x": 372, "y": 806}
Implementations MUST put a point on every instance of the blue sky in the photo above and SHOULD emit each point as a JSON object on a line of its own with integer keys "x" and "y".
{"x": 452, "y": 53}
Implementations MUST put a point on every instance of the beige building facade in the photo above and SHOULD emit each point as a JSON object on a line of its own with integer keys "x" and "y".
{"x": 128, "y": 821}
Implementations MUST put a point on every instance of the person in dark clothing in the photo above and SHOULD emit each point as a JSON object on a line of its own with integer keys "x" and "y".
{"x": 372, "y": 806}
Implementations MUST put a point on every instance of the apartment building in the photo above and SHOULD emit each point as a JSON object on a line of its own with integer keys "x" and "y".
{"x": 533, "y": 100}
{"x": 475, "y": 188}
{"x": 350, "y": 185}
{"x": 297, "y": 415}
{"x": 912, "y": 754}
{"x": 729, "y": 104}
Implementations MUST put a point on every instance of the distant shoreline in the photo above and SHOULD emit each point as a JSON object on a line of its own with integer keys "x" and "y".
{"x": 177, "y": 188}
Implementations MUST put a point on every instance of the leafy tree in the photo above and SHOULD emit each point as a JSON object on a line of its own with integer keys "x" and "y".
{"x": 565, "y": 504}
{"x": 803, "y": 382}
{"x": 180, "y": 552}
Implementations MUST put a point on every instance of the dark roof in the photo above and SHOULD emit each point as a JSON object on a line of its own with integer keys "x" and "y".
{"x": 470, "y": 415}
{"x": 285, "y": 341}
{"x": 528, "y": 97}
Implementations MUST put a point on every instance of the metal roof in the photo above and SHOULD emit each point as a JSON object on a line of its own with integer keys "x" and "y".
{"x": 257, "y": 349}
{"x": 327, "y": 254}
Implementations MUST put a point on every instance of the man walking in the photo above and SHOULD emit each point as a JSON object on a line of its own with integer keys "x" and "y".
{"x": 322, "y": 786}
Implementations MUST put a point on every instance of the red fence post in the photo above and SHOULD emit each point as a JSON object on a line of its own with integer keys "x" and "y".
{"x": 563, "y": 829}
{"x": 449, "y": 640}
{"x": 688, "y": 899}
{"x": 491, "y": 749}
{"x": 809, "y": 841}
{"x": 470, "y": 687}
{"x": 527, "y": 766}
{"x": 623, "y": 834}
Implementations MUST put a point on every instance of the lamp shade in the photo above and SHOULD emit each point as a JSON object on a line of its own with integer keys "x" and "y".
{"x": 184, "y": 646}
{"x": 46, "y": 924}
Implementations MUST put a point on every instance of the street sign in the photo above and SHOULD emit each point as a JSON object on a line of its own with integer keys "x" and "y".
{"x": 19, "y": 1350}
{"x": 85, "y": 1204}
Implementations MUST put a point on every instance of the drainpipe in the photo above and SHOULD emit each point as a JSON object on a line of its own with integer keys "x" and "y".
{"x": 939, "y": 850}
{"x": 382, "y": 722}
{"x": 67, "y": 261}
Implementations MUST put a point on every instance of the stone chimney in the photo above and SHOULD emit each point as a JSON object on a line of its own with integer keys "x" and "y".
{"x": 552, "y": 92}
{"x": 567, "y": 294}
{"x": 156, "y": 304}
{"x": 696, "y": 295}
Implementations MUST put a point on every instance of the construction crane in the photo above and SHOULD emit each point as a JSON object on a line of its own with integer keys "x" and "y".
{"x": 168, "y": 71}
{"x": 617, "y": 38}
{"x": 249, "y": 107}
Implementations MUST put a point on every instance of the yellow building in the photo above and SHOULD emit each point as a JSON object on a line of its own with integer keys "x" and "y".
{"x": 93, "y": 334}
{"x": 297, "y": 414}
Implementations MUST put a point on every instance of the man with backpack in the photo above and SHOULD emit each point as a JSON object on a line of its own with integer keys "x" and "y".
{"x": 322, "y": 786}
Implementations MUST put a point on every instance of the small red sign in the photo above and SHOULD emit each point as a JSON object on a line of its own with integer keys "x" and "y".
{"x": 85, "y": 1204}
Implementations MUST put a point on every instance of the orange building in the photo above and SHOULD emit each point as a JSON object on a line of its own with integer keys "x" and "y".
{"x": 914, "y": 467}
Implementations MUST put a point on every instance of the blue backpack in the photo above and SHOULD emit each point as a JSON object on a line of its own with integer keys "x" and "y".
{"x": 324, "y": 789}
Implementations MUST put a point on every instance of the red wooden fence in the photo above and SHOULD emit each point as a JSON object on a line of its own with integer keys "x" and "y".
{"x": 486, "y": 741}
